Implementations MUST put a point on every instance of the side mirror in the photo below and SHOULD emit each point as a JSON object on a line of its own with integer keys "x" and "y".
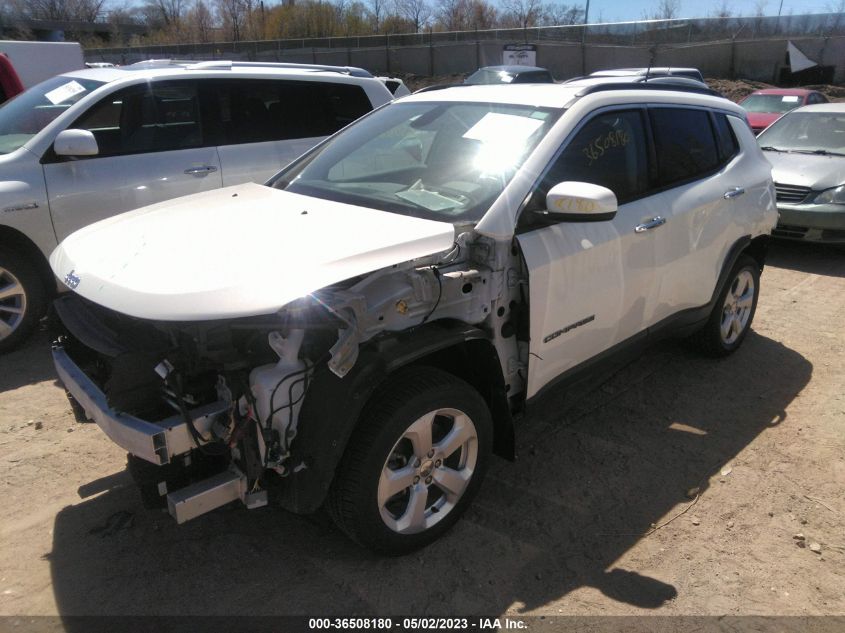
{"x": 75, "y": 143}
{"x": 579, "y": 202}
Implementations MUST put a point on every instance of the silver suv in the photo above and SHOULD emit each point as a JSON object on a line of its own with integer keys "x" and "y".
{"x": 93, "y": 143}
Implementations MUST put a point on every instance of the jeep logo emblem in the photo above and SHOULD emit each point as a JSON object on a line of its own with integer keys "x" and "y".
{"x": 72, "y": 281}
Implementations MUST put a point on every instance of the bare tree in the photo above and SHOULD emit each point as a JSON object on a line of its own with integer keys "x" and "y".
{"x": 724, "y": 11}
{"x": 199, "y": 22}
{"x": 169, "y": 12}
{"x": 417, "y": 12}
{"x": 65, "y": 10}
{"x": 377, "y": 9}
{"x": 523, "y": 13}
{"x": 666, "y": 10}
{"x": 554, "y": 14}
{"x": 233, "y": 15}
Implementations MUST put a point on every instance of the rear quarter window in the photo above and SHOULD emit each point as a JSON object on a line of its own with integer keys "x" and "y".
{"x": 728, "y": 145}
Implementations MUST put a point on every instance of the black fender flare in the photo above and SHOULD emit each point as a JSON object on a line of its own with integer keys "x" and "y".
{"x": 333, "y": 405}
{"x": 756, "y": 247}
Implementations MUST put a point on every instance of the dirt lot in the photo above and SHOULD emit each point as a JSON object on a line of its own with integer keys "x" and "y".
{"x": 560, "y": 531}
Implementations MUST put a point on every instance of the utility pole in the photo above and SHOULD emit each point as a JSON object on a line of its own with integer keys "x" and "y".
{"x": 584, "y": 39}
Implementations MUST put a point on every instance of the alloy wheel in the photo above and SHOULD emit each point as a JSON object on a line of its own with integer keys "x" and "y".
{"x": 12, "y": 303}
{"x": 736, "y": 310}
{"x": 427, "y": 471}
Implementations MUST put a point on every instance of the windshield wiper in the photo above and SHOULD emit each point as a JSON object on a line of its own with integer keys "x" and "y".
{"x": 769, "y": 148}
{"x": 819, "y": 152}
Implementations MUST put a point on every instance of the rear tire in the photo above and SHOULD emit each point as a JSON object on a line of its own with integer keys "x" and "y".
{"x": 23, "y": 299}
{"x": 731, "y": 318}
{"x": 414, "y": 463}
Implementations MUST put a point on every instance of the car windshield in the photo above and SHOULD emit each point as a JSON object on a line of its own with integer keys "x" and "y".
{"x": 489, "y": 76}
{"x": 771, "y": 103}
{"x": 440, "y": 161}
{"x": 815, "y": 132}
{"x": 30, "y": 112}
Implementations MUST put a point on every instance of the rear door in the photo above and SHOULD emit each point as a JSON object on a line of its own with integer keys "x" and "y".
{"x": 267, "y": 123}
{"x": 704, "y": 189}
{"x": 152, "y": 147}
{"x": 590, "y": 282}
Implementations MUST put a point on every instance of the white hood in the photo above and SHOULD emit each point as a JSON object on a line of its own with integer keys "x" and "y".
{"x": 239, "y": 251}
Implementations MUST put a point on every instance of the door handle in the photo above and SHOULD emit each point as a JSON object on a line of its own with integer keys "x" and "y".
{"x": 651, "y": 224}
{"x": 205, "y": 169}
{"x": 733, "y": 193}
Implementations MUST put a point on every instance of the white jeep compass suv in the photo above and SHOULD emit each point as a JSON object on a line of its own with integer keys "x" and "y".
{"x": 89, "y": 144}
{"x": 364, "y": 332}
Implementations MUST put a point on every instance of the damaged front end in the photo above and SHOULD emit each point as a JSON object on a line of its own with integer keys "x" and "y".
{"x": 212, "y": 411}
{"x": 183, "y": 398}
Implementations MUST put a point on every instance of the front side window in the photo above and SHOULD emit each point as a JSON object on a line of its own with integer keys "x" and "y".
{"x": 441, "y": 161}
{"x": 684, "y": 143}
{"x": 146, "y": 118}
{"x": 610, "y": 150}
{"x": 30, "y": 112}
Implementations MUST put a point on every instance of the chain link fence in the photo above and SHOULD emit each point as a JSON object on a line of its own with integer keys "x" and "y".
{"x": 641, "y": 33}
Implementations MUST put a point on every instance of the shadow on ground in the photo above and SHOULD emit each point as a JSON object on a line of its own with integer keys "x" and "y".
{"x": 806, "y": 257}
{"x": 28, "y": 364}
{"x": 596, "y": 469}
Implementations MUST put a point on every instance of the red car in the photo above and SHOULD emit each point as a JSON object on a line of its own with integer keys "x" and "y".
{"x": 764, "y": 107}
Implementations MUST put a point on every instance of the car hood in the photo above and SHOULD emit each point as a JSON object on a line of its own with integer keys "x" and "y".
{"x": 807, "y": 170}
{"x": 759, "y": 120}
{"x": 239, "y": 251}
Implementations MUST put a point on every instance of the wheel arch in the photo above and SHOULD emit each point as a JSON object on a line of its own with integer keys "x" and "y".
{"x": 332, "y": 407}
{"x": 757, "y": 248}
{"x": 18, "y": 241}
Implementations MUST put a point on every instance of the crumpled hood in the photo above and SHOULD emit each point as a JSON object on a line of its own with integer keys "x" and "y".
{"x": 240, "y": 251}
{"x": 807, "y": 170}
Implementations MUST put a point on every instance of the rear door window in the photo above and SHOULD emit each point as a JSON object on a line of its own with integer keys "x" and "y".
{"x": 685, "y": 144}
{"x": 259, "y": 111}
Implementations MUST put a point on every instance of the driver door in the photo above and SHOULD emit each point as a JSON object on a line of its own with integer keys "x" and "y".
{"x": 590, "y": 282}
{"x": 152, "y": 147}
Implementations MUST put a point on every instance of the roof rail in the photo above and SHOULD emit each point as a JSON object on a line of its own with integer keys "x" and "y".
{"x": 225, "y": 64}
{"x": 660, "y": 87}
{"x": 439, "y": 87}
{"x": 352, "y": 71}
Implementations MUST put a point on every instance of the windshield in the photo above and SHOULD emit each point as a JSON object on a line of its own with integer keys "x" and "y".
{"x": 771, "y": 103}
{"x": 488, "y": 76}
{"x": 806, "y": 132}
{"x": 440, "y": 161}
{"x": 30, "y": 112}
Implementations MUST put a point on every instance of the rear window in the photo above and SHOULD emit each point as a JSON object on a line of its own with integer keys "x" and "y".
{"x": 685, "y": 145}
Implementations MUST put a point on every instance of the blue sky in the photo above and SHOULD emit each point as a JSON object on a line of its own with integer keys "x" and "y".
{"x": 615, "y": 10}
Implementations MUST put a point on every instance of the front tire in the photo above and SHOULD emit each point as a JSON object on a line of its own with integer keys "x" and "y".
{"x": 23, "y": 299}
{"x": 414, "y": 463}
{"x": 733, "y": 312}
